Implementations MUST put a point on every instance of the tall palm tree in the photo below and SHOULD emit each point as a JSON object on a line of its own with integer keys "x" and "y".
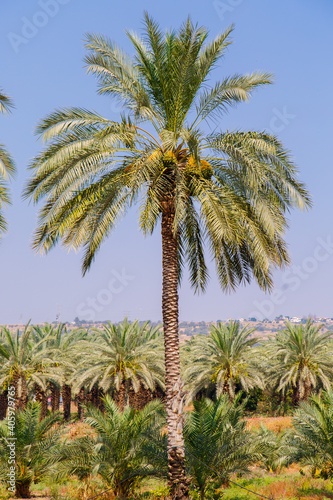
{"x": 125, "y": 358}
{"x": 229, "y": 188}
{"x": 7, "y": 166}
{"x": 302, "y": 359}
{"x": 223, "y": 358}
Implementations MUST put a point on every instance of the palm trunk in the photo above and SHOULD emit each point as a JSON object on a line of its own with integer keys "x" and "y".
{"x": 120, "y": 396}
{"x": 22, "y": 489}
{"x": 22, "y": 398}
{"x": 81, "y": 399}
{"x": 55, "y": 397}
{"x": 66, "y": 393}
{"x": 3, "y": 404}
{"x": 179, "y": 485}
{"x": 42, "y": 399}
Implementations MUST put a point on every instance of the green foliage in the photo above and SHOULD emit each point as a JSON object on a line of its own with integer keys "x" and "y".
{"x": 312, "y": 438}
{"x": 7, "y": 166}
{"x": 121, "y": 356}
{"x": 302, "y": 359}
{"x": 229, "y": 188}
{"x": 34, "y": 444}
{"x": 215, "y": 435}
{"x": 115, "y": 449}
{"x": 224, "y": 358}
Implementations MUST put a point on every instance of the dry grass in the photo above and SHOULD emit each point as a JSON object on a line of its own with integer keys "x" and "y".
{"x": 276, "y": 424}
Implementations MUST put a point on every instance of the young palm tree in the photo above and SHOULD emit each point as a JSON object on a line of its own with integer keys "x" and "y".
{"x": 125, "y": 358}
{"x": 223, "y": 358}
{"x": 119, "y": 458}
{"x": 215, "y": 435}
{"x": 312, "y": 437}
{"x": 34, "y": 442}
{"x": 230, "y": 188}
{"x": 7, "y": 166}
{"x": 302, "y": 359}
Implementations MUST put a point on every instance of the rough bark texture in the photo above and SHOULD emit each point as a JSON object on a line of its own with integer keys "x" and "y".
{"x": 21, "y": 397}
{"x": 66, "y": 393}
{"x": 179, "y": 485}
{"x": 3, "y": 404}
{"x": 22, "y": 489}
{"x": 120, "y": 396}
{"x": 42, "y": 399}
{"x": 55, "y": 397}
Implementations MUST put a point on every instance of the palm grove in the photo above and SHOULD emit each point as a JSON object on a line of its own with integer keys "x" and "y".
{"x": 229, "y": 191}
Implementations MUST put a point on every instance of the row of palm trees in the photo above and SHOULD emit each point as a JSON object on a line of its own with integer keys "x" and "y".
{"x": 122, "y": 448}
{"x": 126, "y": 361}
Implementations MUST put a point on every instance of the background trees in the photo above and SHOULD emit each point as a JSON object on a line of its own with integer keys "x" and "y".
{"x": 126, "y": 359}
{"x": 224, "y": 358}
{"x": 302, "y": 359}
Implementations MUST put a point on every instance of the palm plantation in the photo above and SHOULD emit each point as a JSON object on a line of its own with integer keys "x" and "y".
{"x": 229, "y": 190}
{"x": 223, "y": 359}
{"x": 7, "y": 167}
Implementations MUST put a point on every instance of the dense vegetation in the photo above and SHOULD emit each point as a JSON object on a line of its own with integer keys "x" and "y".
{"x": 113, "y": 379}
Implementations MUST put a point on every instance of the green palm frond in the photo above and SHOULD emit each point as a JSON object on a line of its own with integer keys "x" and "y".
{"x": 7, "y": 165}
{"x": 231, "y": 191}
{"x": 226, "y": 357}
{"x": 303, "y": 359}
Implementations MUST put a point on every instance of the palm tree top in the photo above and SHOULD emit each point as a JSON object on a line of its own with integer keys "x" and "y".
{"x": 229, "y": 190}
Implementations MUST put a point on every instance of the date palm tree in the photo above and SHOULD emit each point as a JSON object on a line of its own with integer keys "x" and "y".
{"x": 312, "y": 437}
{"x": 34, "y": 441}
{"x": 18, "y": 365}
{"x": 302, "y": 359}
{"x": 116, "y": 451}
{"x": 230, "y": 189}
{"x": 223, "y": 358}
{"x": 7, "y": 166}
{"x": 125, "y": 358}
{"x": 216, "y": 435}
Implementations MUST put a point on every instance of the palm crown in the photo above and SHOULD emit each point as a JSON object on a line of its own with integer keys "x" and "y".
{"x": 303, "y": 359}
{"x": 231, "y": 187}
{"x": 225, "y": 358}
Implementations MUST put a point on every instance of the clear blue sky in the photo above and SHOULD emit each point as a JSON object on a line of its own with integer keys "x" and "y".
{"x": 41, "y": 59}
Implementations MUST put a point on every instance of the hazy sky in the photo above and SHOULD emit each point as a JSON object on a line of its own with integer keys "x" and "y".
{"x": 41, "y": 59}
